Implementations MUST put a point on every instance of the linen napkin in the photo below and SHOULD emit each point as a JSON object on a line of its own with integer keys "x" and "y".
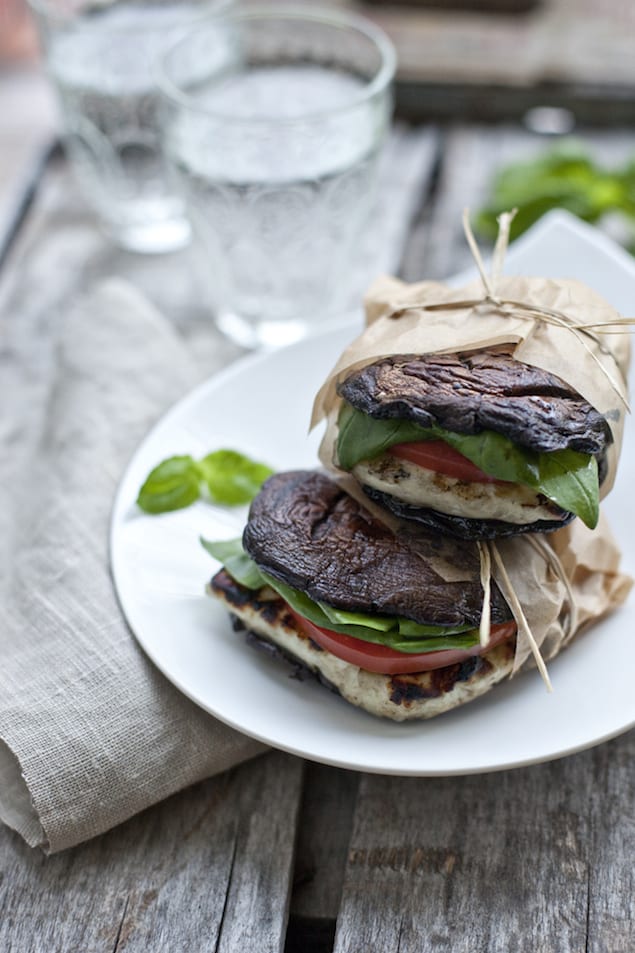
{"x": 91, "y": 732}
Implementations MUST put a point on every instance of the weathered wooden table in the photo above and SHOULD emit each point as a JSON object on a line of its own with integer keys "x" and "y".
{"x": 280, "y": 854}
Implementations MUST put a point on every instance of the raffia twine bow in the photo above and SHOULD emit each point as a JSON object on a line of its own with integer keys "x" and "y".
{"x": 490, "y": 555}
{"x": 506, "y": 306}
{"x": 488, "y": 551}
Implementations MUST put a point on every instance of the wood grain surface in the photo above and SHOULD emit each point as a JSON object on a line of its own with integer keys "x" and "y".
{"x": 208, "y": 870}
{"x": 505, "y": 862}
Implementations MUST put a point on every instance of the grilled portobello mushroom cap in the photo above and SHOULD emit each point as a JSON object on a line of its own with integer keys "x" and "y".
{"x": 464, "y": 527}
{"x": 469, "y": 393}
{"x": 305, "y": 531}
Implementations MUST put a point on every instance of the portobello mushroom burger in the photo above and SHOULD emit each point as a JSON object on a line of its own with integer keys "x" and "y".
{"x": 477, "y": 445}
{"x": 391, "y": 622}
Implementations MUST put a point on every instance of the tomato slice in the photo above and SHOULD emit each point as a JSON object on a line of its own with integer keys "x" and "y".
{"x": 440, "y": 456}
{"x": 387, "y": 661}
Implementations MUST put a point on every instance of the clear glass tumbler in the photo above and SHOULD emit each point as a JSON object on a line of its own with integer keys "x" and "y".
{"x": 275, "y": 144}
{"x": 101, "y": 58}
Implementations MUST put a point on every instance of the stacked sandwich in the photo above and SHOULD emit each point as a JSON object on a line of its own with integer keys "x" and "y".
{"x": 469, "y": 439}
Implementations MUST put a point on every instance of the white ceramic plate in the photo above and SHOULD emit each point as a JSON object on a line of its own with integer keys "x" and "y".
{"x": 261, "y": 406}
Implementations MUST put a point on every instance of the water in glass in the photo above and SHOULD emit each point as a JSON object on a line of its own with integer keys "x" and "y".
{"x": 278, "y": 205}
{"x": 103, "y": 70}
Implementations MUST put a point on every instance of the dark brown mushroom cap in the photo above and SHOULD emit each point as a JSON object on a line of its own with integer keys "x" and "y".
{"x": 305, "y": 531}
{"x": 461, "y": 526}
{"x": 468, "y": 393}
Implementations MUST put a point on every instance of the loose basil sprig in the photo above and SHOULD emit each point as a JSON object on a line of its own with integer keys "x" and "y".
{"x": 224, "y": 476}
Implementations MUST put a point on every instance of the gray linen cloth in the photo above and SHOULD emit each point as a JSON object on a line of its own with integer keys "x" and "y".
{"x": 91, "y": 732}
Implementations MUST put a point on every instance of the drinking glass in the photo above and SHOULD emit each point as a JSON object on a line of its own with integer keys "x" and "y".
{"x": 275, "y": 144}
{"x": 101, "y": 56}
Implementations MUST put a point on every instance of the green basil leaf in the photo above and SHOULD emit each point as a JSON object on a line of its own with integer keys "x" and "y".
{"x": 407, "y": 628}
{"x": 231, "y": 477}
{"x": 172, "y": 485}
{"x": 415, "y": 630}
{"x": 361, "y": 437}
{"x": 403, "y": 635}
{"x": 342, "y": 617}
{"x": 460, "y": 640}
{"x": 571, "y": 480}
{"x": 440, "y": 637}
{"x": 564, "y": 177}
{"x": 238, "y": 564}
{"x": 566, "y": 477}
{"x": 496, "y": 455}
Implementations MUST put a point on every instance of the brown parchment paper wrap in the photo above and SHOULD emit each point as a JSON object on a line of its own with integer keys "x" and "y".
{"x": 542, "y": 322}
{"x": 555, "y": 612}
{"x": 398, "y": 323}
{"x": 560, "y": 597}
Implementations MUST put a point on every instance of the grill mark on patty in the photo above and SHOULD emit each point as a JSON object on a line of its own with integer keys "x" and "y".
{"x": 271, "y": 608}
{"x": 405, "y": 688}
{"x": 440, "y": 681}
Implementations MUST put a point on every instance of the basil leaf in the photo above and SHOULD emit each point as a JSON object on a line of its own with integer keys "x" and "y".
{"x": 496, "y": 455}
{"x": 238, "y": 564}
{"x": 564, "y": 177}
{"x": 410, "y": 629}
{"x": 571, "y": 480}
{"x": 440, "y": 637}
{"x": 404, "y": 635}
{"x": 361, "y": 437}
{"x": 342, "y": 617}
{"x": 406, "y": 627}
{"x": 231, "y": 477}
{"x": 566, "y": 477}
{"x": 172, "y": 485}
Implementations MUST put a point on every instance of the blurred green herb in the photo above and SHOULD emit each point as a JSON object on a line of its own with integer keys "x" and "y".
{"x": 224, "y": 476}
{"x": 565, "y": 177}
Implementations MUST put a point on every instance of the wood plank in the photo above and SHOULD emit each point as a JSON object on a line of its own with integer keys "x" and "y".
{"x": 468, "y": 49}
{"x": 471, "y": 154}
{"x": 489, "y": 864}
{"x": 325, "y": 827}
{"x": 257, "y": 904}
{"x": 611, "y": 912}
{"x": 474, "y": 64}
{"x": 207, "y": 870}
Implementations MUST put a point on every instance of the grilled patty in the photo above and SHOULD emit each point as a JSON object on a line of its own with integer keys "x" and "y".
{"x": 398, "y": 697}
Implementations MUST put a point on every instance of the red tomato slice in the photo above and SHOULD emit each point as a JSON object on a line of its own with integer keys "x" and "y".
{"x": 387, "y": 661}
{"x": 440, "y": 456}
